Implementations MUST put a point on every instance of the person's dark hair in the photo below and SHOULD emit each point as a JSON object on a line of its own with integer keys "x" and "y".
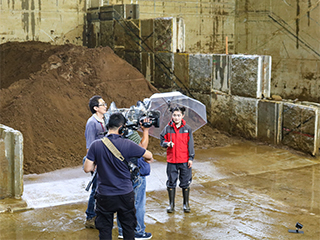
{"x": 94, "y": 102}
{"x": 116, "y": 120}
{"x": 180, "y": 109}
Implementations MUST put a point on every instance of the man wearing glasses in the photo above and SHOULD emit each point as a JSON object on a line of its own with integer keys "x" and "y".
{"x": 94, "y": 130}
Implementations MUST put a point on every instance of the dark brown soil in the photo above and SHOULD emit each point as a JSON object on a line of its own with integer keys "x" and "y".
{"x": 44, "y": 93}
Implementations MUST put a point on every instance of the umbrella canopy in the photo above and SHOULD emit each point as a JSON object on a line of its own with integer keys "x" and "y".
{"x": 195, "y": 114}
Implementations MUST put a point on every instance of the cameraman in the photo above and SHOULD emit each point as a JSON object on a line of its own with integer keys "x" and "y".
{"x": 139, "y": 186}
{"x": 114, "y": 192}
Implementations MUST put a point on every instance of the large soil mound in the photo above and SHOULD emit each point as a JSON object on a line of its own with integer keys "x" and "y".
{"x": 45, "y": 90}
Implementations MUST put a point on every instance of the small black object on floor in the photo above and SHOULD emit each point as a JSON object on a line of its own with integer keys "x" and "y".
{"x": 298, "y": 226}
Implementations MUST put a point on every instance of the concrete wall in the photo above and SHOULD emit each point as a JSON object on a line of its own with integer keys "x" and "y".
{"x": 57, "y": 21}
{"x": 300, "y": 127}
{"x": 289, "y": 32}
{"x": 296, "y": 125}
{"x": 235, "y": 89}
{"x": 232, "y": 85}
{"x": 250, "y": 76}
{"x": 207, "y": 22}
{"x": 11, "y": 163}
{"x": 234, "y": 114}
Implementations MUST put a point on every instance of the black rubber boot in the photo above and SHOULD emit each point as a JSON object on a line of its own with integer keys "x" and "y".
{"x": 185, "y": 193}
{"x": 172, "y": 194}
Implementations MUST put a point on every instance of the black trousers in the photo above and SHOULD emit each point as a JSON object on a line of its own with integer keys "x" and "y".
{"x": 178, "y": 169}
{"x": 123, "y": 205}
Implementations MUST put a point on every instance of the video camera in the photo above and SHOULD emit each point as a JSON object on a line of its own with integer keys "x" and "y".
{"x": 135, "y": 116}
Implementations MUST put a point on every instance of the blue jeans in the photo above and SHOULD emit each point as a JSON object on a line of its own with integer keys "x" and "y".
{"x": 91, "y": 203}
{"x": 139, "y": 189}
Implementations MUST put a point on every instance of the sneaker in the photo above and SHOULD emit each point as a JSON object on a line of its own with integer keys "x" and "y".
{"x": 90, "y": 223}
{"x": 145, "y": 235}
{"x": 120, "y": 236}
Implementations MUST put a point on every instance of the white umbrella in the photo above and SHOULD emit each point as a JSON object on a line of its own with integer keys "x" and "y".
{"x": 195, "y": 114}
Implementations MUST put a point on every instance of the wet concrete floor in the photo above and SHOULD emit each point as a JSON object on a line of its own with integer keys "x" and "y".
{"x": 243, "y": 191}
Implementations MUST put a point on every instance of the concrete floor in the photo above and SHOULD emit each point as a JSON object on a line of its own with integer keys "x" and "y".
{"x": 244, "y": 191}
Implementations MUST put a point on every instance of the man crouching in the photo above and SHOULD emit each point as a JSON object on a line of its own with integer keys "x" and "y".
{"x": 114, "y": 192}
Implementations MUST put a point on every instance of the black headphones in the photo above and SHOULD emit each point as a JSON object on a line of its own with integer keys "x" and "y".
{"x": 123, "y": 128}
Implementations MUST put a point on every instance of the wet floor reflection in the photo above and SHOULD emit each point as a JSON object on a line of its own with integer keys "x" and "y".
{"x": 244, "y": 191}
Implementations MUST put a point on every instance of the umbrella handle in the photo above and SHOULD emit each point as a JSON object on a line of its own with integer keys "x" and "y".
{"x": 171, "y": 145}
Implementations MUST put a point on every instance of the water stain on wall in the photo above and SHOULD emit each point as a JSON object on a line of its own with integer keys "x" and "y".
{"x": 28, "y": 17}
{"x": 12, "y": 4}
{"x": 297, "y": 23}
{"x": 308, "y": 13}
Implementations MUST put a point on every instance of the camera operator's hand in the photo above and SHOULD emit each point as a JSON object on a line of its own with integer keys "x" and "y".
{"x": 146, "y": 120}
{"x": 95, "y": 168}
{"x": 145, "y": 134}
{"x": 149, "y": 160}
{"x": 146, "y": 123}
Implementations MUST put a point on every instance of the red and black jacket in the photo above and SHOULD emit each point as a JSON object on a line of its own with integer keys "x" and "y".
{"x": 183, "y": 149}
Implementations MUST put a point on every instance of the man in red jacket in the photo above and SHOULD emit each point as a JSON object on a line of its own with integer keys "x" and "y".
{"x": 178, "y": 139}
